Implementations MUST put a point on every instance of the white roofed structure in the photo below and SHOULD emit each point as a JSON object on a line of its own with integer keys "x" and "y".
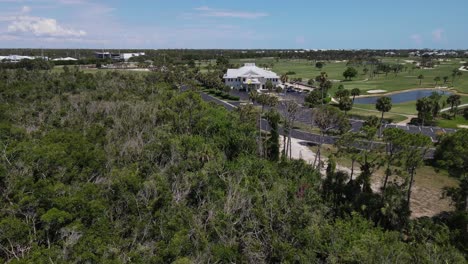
{"x": 250, "y": 77}
{"x": 17, "y": 58}
{"x": 65, "y": 59}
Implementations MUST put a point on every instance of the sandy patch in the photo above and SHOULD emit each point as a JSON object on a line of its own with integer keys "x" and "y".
{"x": 424, "y": 201}
{"x": 462, "y": 126}
{"x": 376, "y": 91}
{"x": 462, "y": 62}
{"x": 301, "y": 150}
{"x": 462, "y": 68}
{"x": 409, "y": 61}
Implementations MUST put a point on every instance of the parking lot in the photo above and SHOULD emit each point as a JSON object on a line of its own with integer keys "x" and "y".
{"x": 304, "y": 116}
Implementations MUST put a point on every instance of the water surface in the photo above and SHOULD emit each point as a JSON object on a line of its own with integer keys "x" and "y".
{"x": 401, "y": 97}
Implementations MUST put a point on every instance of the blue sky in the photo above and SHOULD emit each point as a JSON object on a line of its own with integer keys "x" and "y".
{"x": 241, "y": 24}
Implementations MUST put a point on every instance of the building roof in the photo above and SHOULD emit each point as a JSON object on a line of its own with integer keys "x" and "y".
{"x": 250, "y": 70}
{"x": 127, "y": 56}
{"x": 20, "y": 57}
{"x": 65, "y": 59}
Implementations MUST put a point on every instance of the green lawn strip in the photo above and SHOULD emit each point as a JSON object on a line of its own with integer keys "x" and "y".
{"x": 402, "y": 81}
{"x": 453, "y": 123}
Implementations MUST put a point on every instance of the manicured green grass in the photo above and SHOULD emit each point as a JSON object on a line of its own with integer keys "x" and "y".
{"x": 404, "y": 80}
{"x": 363, "y": 113}
{"x": 453, "y": 123}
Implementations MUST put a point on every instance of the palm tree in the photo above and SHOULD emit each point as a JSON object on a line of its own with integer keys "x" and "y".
{"x": 365, "y": 70}
{"x": 253, "y": 95}
{"x": 420, "y": 77}
{"x": 454, "y": 101}
{"x": 324, "y": 83}
{"x": 456, "y": 73}
{"x": 445, "y": 79}
{"x": 355, "y": 92}
{"x": 383, "y": 104}
{"x": 436, "y": 79}
{"x": 284, "y": 78}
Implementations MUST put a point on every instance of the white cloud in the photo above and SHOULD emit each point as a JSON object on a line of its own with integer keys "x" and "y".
{"x": 211, "y": 12}
{"x": 438, "y": 35}
{"x": 39, "y": 26}
{"x": 300, "y": 40}
{"x": 25, "y": 9}
{"x": 417, "y": 39}
{"x": 203, "y": 8}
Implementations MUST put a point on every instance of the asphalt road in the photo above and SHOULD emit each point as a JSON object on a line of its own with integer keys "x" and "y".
{"x": 312, "y": 137}
{"x": 305, "y": 116}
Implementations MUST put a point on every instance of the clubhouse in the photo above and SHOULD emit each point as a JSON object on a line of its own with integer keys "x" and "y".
{"x": 250, "y": 77}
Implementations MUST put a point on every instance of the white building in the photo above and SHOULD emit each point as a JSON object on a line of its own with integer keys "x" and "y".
{"x": 127, "y": 56}
{"x": 250, "y": 77}
{"x": 17, "y": 58}
{"x": 65, "y": 59}
{"x": 117, "y": 56}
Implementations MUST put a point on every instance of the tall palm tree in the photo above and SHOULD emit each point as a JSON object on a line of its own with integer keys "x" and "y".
{"x": 454, "y": 101}
{"x": 445, "y": 79}
{"x": 284, "y": 78}
{"x": 355, "y": 92}
{"x": 253, "y": 95}
{"x": 437, "y": 80}
{"x": 420, "y": 77}
{"x": 324, "y": 83}
{"x": 383, "y": 104}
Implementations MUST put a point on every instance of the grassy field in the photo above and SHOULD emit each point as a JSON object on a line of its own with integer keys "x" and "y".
{"x": 391, "y": 83}
{"x": 399, "y": 112}
{"x": 403, "y": 81}
{"x": 454, "y": 123}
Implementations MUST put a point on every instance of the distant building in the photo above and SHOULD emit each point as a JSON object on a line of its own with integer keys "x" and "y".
{"x": 250, "y": 77}
{"x": 117, "y": 56}
{"x": 17, "y": 58}
{"x": 127, "y": 56}
{"x": 65, "y": 59}
{"x": 107, "y": 55}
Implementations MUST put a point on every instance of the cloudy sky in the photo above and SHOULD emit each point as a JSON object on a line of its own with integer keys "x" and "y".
{"x": 241, "y": 24}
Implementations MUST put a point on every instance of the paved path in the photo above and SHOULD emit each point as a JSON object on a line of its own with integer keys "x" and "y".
{"x": 448, "y": 108}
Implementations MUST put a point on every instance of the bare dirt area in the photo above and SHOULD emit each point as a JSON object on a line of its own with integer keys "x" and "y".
{"x": 427, "y": 191}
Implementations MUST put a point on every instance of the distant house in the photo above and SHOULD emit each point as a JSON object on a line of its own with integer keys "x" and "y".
{"x": 65, "y": 59}
{"x": 17, "y": 58}
{"x": 127, "y": 56}
{"x": 250, "y": 77}
{"x": 117, "y": 56}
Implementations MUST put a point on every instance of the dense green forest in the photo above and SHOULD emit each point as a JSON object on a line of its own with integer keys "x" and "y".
{"x": 128, "y": 168}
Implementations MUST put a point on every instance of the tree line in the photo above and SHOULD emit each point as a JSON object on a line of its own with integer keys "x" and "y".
{"x": 118, "y": 167}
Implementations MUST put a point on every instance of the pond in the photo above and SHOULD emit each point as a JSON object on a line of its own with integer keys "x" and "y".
{"x": 401, "y": 97}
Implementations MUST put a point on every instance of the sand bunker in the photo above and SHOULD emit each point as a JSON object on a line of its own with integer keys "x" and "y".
{"x": 376, "y": 91}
